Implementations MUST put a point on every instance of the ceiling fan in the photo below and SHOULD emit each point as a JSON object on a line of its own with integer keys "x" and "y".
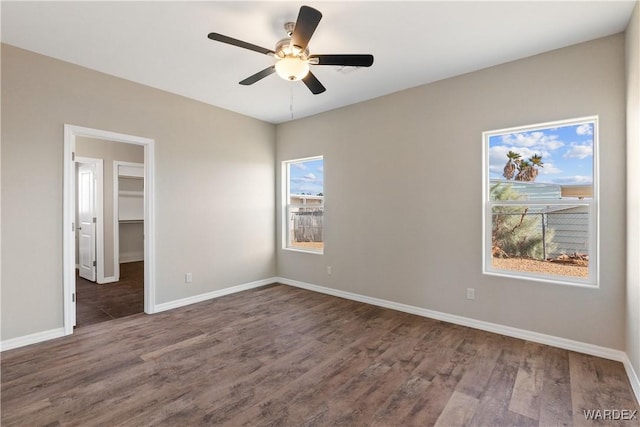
{"x": 292, "y": 53}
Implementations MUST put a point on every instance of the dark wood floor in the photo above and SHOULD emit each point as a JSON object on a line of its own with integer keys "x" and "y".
{"x": 99, "y": 303}
{"x": 284, "y": 356}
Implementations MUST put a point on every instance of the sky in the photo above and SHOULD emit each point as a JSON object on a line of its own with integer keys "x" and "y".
{"x": 567, "y": 152}
{"x": 307, "y": 177}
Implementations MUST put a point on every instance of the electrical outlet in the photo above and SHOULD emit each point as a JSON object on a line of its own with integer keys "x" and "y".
{"x": 471, "y": 293}
{"x": 329, "y": 270}
{"x": 188, "y": 278}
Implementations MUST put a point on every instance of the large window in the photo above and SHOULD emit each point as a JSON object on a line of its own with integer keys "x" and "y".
{"x": 304, "y": 204}
{"x": 540, "y": 202}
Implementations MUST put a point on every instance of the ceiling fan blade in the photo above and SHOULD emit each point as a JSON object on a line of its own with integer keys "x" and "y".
{"x": 258, "y": 76}
{"x": 308, "y": 20}
{"x": 313, "y": 84}
{"x": 239, "y": 43}
{"x": 347, "y": 60}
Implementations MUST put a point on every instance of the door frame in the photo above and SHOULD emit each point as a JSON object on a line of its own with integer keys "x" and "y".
{"x": 68, "y": 226}
{"x": 99, "y": 210}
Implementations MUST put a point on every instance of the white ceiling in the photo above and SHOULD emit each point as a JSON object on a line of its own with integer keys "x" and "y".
{"x": 165, "y": 44}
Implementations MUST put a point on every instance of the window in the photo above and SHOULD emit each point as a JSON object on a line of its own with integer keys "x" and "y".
{"x": 304, "y": 205}
{"x": 540, "y": 196}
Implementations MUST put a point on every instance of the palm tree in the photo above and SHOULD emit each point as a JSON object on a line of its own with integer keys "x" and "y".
{"x": 513, "y": 160}
{"x": 531, "y": 169}
{"x": 527, "y": 169}
{"x": 536, "y": 163}
{"x": 536, "y": 160}
{"x": 524, "y": 171}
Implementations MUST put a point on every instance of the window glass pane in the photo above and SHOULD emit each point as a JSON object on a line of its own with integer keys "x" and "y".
{"x": 539, "y": 188}
{"x": 548, "y": 240}
{"x": 305, "y": 204}
{"x": 546, "y": 163}
{"x": 306, "y": 227}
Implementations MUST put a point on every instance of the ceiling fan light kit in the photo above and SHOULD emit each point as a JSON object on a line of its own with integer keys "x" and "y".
{"x": 292, "y": 68}
{"x": 292, "y": 53}
{"x": 292, "y": 62}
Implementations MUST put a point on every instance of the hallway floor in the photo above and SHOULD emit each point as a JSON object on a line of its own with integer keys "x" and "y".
{"x": 99, "y": 303}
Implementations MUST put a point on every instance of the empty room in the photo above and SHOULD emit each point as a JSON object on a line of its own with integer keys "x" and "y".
{"x": 336, "y": 213}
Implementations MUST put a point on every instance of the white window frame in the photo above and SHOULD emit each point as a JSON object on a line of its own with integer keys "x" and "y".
{"x": 594, "y": 237}
{"x": 287, "y": 206}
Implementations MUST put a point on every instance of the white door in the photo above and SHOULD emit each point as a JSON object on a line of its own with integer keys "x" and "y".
{"x": 87, "y": 220}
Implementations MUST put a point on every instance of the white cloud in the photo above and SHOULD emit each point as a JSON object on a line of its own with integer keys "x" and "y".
{"x": 307, "y": 184}
{"x": 495, "y": 169}
{"x": 533, "y": 140}
{"x": 585, "y": 129}
{"x": 497, "y": 158}
{"x": 300, "y": 166}
{"x": 554, "y": 144}
{"x": 578, "y": 151}
{"x": 550, "y": 169}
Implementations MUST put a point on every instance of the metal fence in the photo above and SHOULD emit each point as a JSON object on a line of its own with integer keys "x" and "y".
{"x": 547, "y": 234}
{"x": 544, "y": 235}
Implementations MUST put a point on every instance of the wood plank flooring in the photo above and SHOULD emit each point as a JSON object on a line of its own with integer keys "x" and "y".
{"x": 282, "y": 356}
{"x": 100, "y": 303}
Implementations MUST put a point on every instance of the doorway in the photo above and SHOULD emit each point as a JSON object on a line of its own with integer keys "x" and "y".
{"x": 115, "y": 209}
{"x": 106, "y": 271}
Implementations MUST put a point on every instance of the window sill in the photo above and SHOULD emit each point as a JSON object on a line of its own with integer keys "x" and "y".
{"x": 543, "y": 279}
{"x": 306, "y": 251}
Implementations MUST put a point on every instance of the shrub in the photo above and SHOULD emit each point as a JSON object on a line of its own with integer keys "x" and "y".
{"x": 515, "y": 231}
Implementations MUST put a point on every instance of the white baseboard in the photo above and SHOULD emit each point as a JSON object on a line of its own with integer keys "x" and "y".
{"x": 210, "y": 295}
{"x": 566, "y": 344}
{"x": 131, "y": 257}
{"x": 31, "y": 339}
{"x": 106, "y": 280}
{"x": 633, "y": 377}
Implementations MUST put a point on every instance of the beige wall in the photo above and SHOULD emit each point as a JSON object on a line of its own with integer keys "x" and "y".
{"x": 214, "y": 185}
{"x": 413, "y": 161}
{"x": 633, "y": 188}
{"x": 131, "y": 246}
{"x": 108, "y": 151}
{"x": 215, "y": 189}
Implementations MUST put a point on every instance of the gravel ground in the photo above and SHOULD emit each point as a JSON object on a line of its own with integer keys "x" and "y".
{"x": 546, "y": 267}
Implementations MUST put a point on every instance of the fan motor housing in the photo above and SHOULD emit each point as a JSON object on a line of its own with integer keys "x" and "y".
{"x": 284, "y": 48}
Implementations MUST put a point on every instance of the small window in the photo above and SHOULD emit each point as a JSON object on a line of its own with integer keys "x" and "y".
{"x": 304, "y": 205}
{"x": 540, "y": 193}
